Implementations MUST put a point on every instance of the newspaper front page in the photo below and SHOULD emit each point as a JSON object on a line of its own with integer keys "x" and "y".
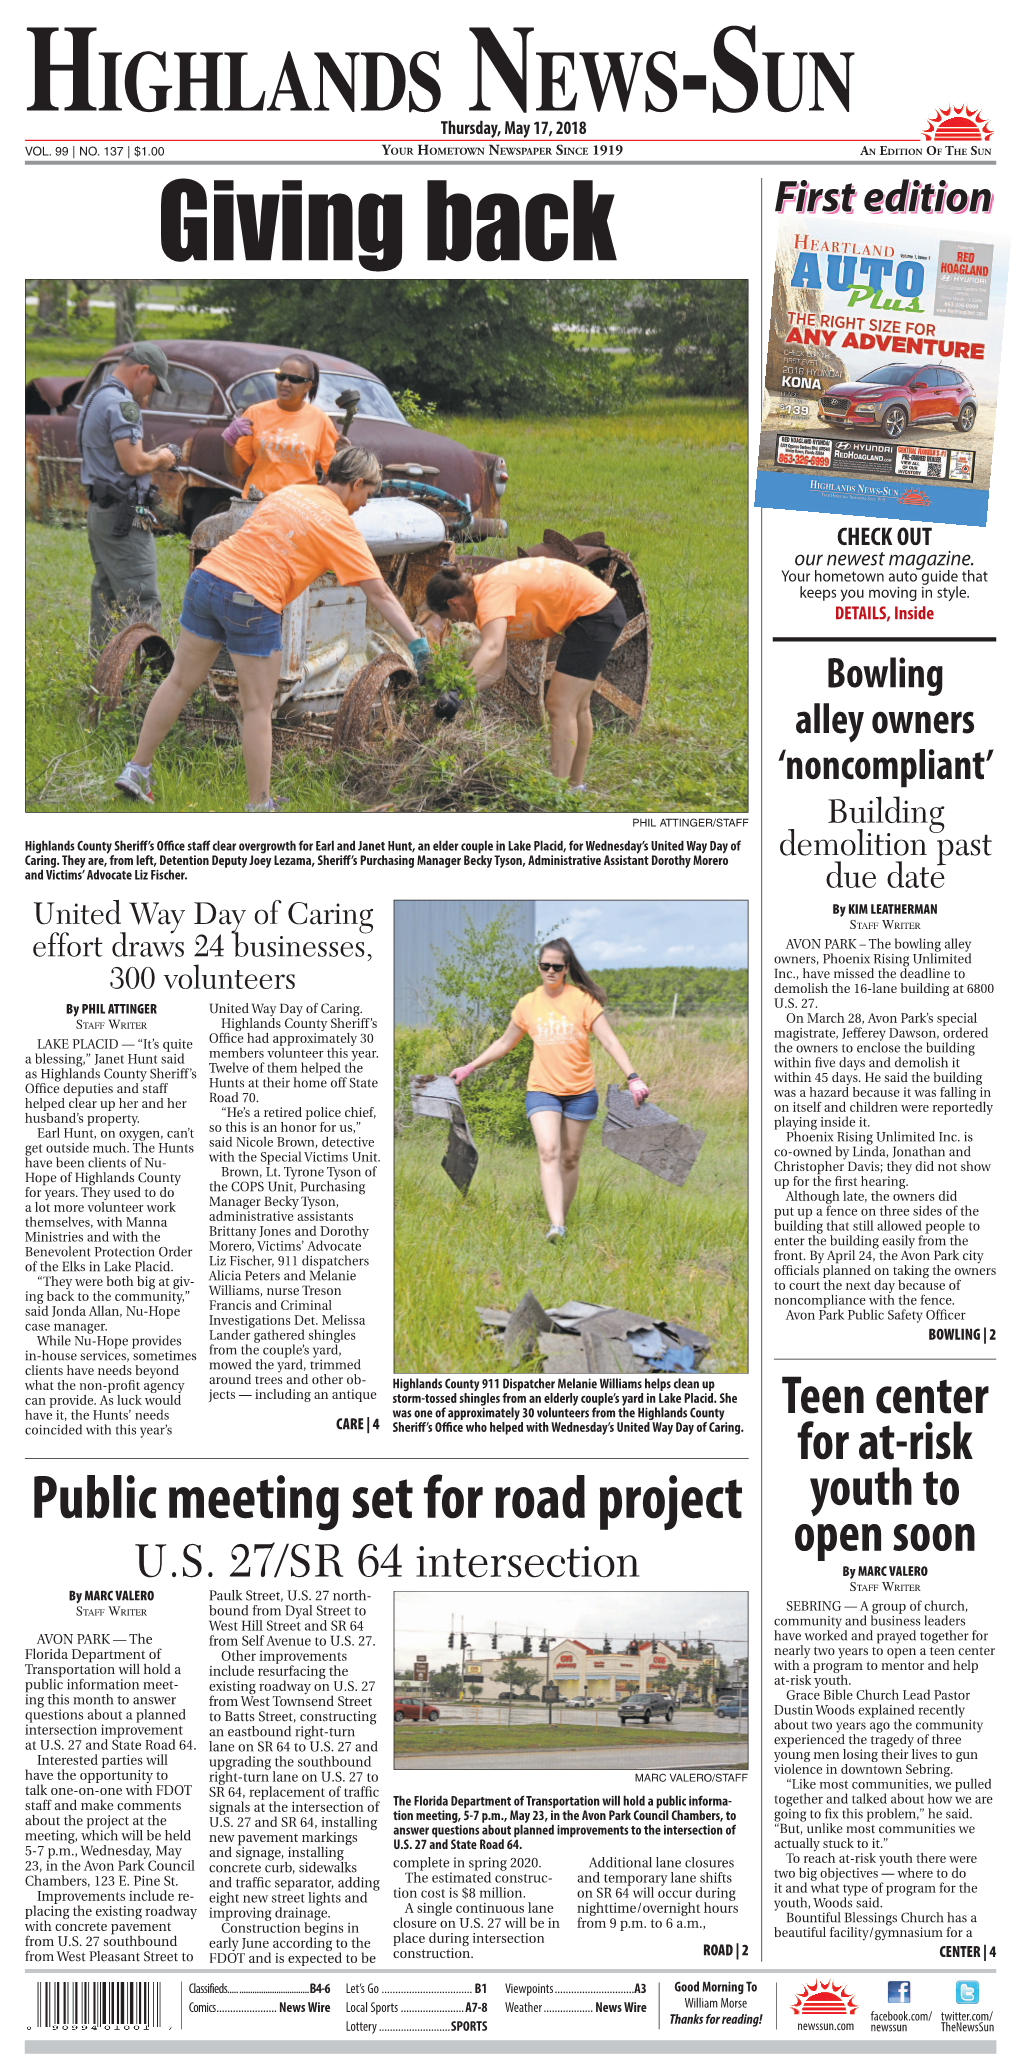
{"x": 505, "y": 1533}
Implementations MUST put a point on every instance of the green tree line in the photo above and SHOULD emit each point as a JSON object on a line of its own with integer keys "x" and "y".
{"x": 649, "y": 992}
{"x": 509, "y": 347}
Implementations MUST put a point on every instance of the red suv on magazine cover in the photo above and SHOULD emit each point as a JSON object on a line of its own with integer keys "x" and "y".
{"x": 896, "y": 398}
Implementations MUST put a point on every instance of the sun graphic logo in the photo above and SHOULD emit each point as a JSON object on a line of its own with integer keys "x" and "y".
{"x": 826, "y": 1998}
{"x": 957, "y": 125}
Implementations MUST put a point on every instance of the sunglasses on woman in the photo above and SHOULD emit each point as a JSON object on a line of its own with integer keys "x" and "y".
{"x": 551, "y": 967}
{"x": 292, "y": 379}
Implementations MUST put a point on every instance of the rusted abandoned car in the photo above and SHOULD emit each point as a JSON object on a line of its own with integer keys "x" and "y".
{"x": 211, "y": 382}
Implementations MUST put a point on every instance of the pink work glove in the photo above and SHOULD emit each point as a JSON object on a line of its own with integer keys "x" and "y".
{"x": 240, "y": 427}
{"x": 459, "y": 1075}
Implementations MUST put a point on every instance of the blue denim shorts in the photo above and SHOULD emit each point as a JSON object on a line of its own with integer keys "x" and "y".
{"x": 583, "y": 1106}
{"x": 214, "y": 608}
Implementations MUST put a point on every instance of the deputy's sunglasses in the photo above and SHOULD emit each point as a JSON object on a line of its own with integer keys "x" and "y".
{"x": 551, "y": 967}
{"x": 292, "y": 379}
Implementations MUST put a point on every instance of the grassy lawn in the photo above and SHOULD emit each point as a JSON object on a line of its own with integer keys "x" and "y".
{"x": 667, "y": 481}
{"x": 534, "y": 1737}
{"x": 77, "y": 352}
{"x": 633, "y": 1240}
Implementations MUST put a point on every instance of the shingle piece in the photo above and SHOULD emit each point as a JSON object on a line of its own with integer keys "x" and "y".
{"x": 607, "y": 1357}
{"x": 569, "y": 1314}
{"x": 564, "y": 1356}
{"x": 526, "y": 1322}
{"x": 615, "y": 1325}
{"x": 575, "y": 1338}
{"x": 437, "y": 1096}
{"x": 650, "y": 1137}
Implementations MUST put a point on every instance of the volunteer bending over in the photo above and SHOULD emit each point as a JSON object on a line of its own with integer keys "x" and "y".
{"x": 561, "y": 1098}
{"x": 237, "y": 596}
{"x": 282, "y": 441}
{"x": 536, "y": 598}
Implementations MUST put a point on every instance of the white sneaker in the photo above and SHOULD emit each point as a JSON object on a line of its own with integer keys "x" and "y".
{"x": 136, "y": 782}
{"x": 557, "y": 1232}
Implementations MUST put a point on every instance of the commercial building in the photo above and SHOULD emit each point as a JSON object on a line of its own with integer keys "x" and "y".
{"x": 579, "y": 1669}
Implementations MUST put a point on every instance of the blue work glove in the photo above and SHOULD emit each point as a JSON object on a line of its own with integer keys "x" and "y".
{"x": 419, "y": 651}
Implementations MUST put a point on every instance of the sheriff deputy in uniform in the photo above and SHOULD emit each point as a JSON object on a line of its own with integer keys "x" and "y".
{"x": 117, "y": 473}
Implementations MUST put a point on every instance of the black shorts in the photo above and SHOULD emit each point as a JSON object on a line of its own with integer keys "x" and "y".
{"x": 589, "y": 641}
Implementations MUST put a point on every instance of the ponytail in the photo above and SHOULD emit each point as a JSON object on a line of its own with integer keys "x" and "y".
{"x": 353, "y": 462}
{"x": 578, "y": 976}
{"x": 445, "y": 586}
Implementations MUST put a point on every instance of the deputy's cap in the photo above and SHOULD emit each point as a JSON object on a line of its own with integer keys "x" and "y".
{"x": 150, "y": 355}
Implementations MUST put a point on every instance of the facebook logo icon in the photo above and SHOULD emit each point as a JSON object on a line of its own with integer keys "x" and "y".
{"x": 898, "y": 1991}
{"x": 968, "y": 1992}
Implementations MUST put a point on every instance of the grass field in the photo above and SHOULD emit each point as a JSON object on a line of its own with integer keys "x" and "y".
{"x": 633, "y": 1240}
{"x": 667, "y": 481}
{"x": 536, "y": 1737}
{"x": 78, "y": 351}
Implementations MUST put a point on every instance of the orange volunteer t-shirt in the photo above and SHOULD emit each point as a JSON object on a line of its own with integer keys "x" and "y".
{"x": 539, "y": 596}
{"x": 284, "y": 445}
{"x": 292, "y": 537}
{"x": 558, "y": 1029}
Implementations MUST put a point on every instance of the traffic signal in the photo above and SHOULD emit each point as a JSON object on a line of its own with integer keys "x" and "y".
{"x": 543, "y": 1646}
{"x": 606, "y": 1645}
{"x": 527, "y": 1644}
{"x": 655, "y": 1646}
{"x": 463, "y": 1640}
{"x": 450, "y": 1640}
{"x": 493, "y": 1641}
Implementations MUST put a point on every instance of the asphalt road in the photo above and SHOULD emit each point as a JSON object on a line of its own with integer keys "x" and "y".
{"x": 691, "y": 1718}
{"x": 633, "y": 1756}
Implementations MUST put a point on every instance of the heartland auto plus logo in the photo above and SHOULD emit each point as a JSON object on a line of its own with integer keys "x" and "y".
{"x": 828, "y": 2000}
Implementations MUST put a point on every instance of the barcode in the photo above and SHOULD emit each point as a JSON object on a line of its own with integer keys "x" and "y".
{"x": 98, "y": 2003}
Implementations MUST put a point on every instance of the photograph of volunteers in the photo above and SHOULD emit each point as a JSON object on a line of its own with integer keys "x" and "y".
{"x": 564, "y": 460}
{"x": 280, "y": 443}
{"x": 537, "y": 598}
{"x": 570, "y": 1094}
{"x": 236, "y": 598}
{"x": 559, "y": 1017}
{"x": 532, "y": 1681}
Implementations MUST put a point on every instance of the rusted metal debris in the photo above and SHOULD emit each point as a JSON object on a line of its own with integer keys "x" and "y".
{"x": 437, "y": 1096}
{"x": 341, "y": 659}
{"x": 576, "y": 1338}
{"x": 621, "y": 691}
{"x": 650, "y": 1137}
{"x": 135, "y": 651}
{"x": 622, "y": 687}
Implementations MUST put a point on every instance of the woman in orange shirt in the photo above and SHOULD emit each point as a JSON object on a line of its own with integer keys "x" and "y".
{"x": 282, "y": 441}
{"x": 237, "y": 596}
{"x": 536, "y": 598}
{"x": 561, "y": 1098}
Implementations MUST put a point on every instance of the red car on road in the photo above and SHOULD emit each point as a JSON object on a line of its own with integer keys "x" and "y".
{"x": 893, "y": 399}
{"x": 414, "y": 1709}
